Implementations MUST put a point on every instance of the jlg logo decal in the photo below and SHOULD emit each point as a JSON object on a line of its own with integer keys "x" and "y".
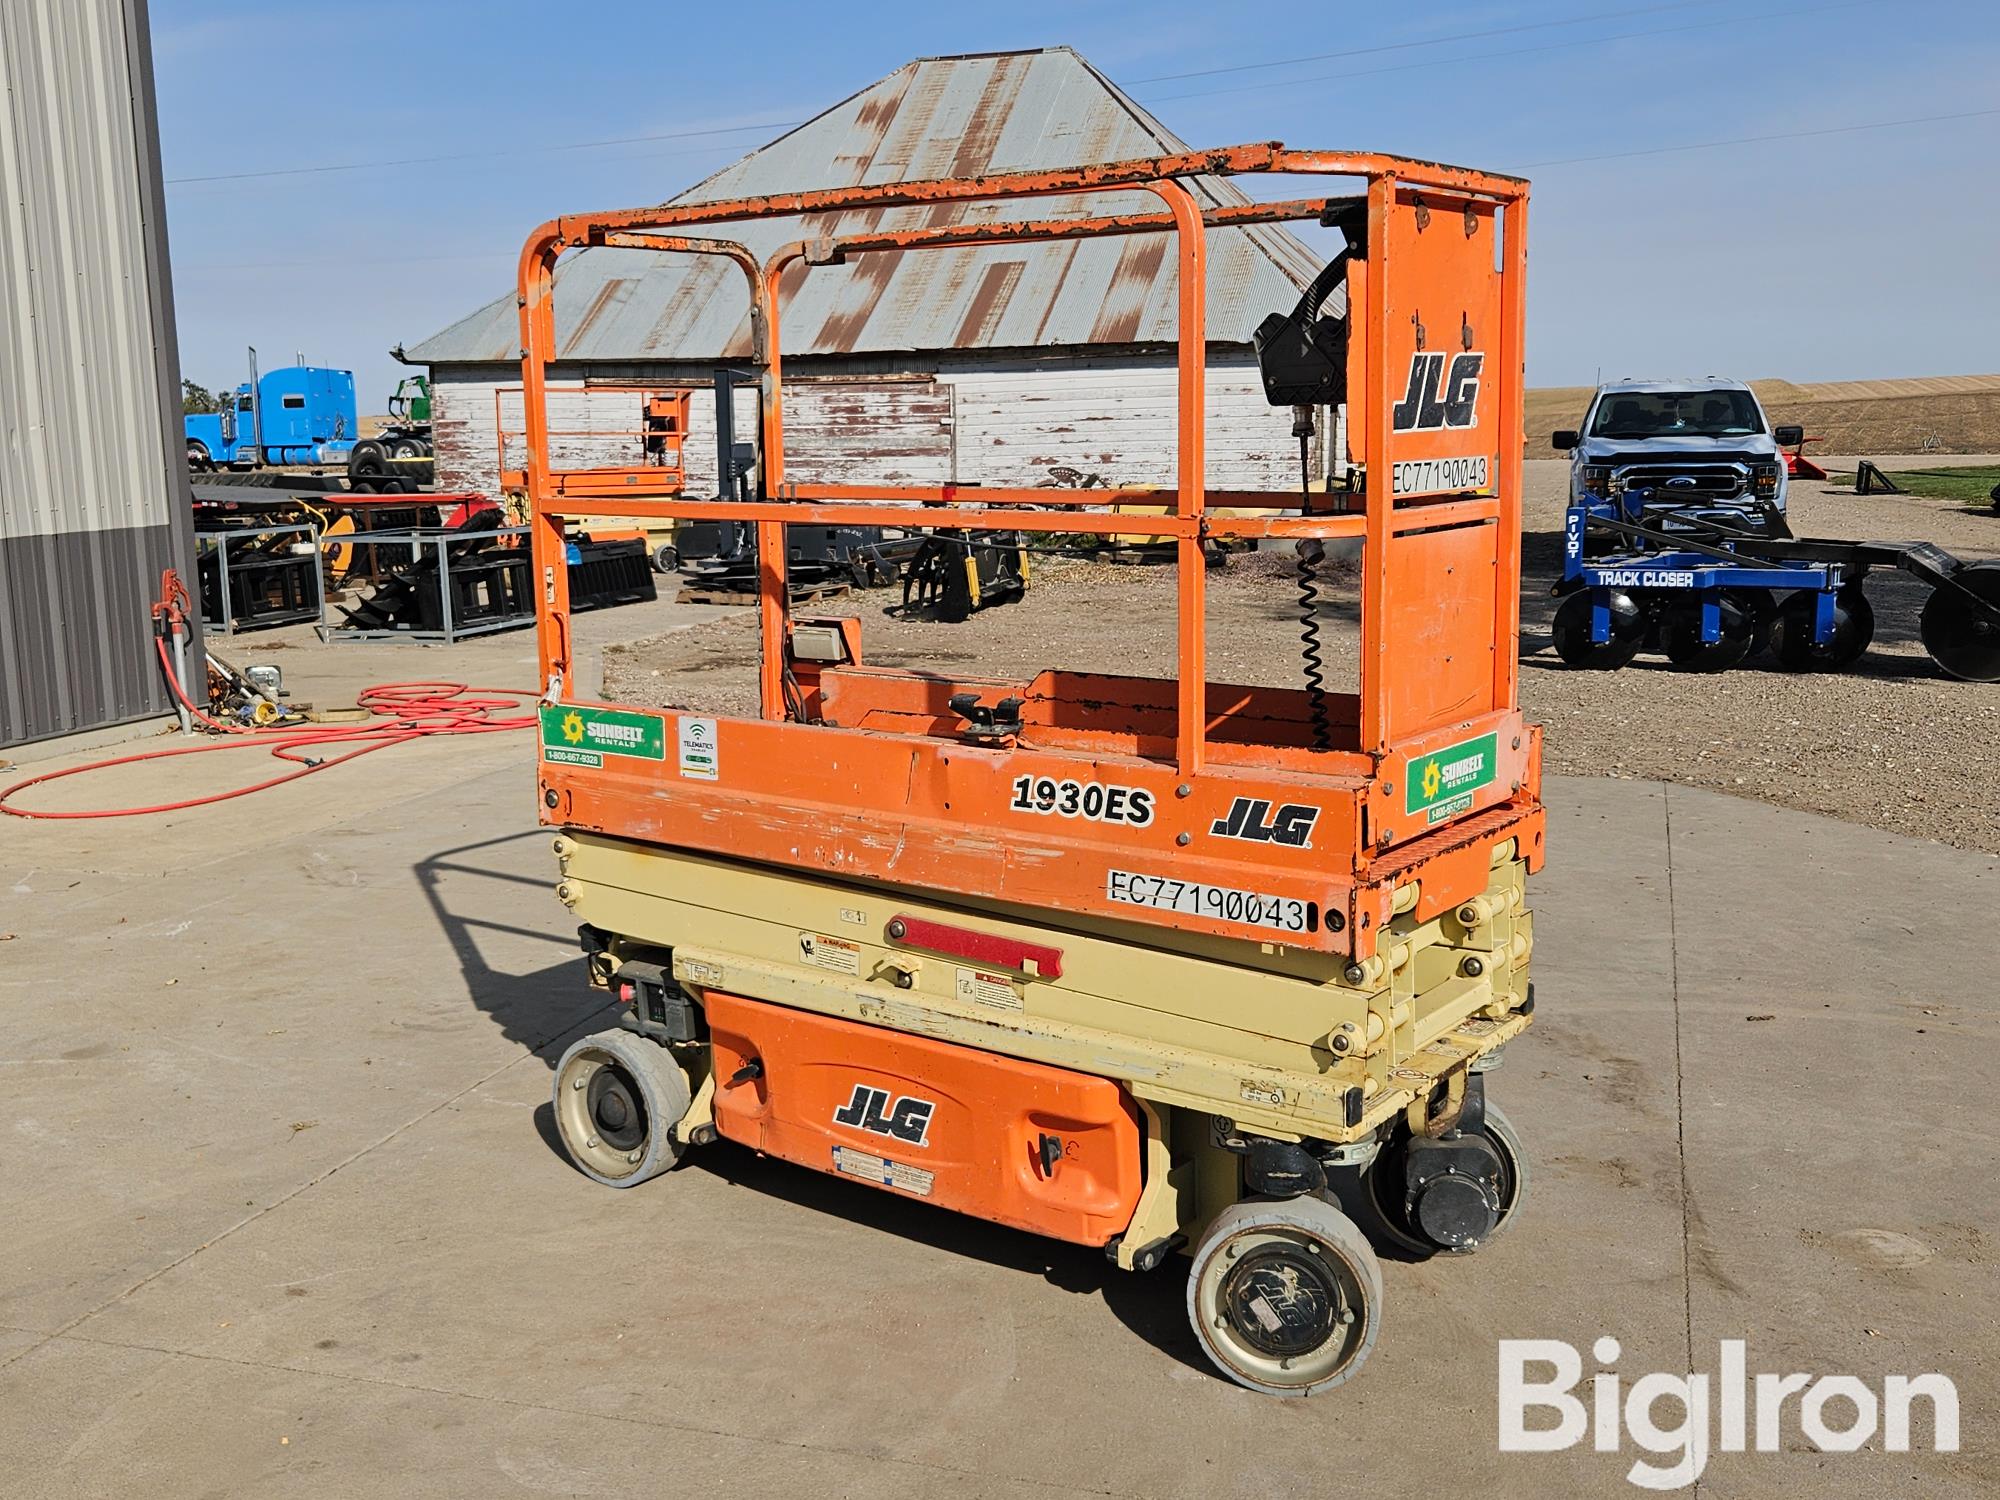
{"x": 907, "y": 1119}
{"x": 1436, "y": 400}
{"x": 1251, "y": 818}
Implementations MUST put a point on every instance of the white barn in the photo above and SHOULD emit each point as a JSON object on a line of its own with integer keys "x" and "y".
{"x": 984, "y": 365}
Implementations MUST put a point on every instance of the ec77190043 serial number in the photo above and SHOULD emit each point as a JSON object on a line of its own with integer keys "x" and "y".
{"x": 1253, "y": 908}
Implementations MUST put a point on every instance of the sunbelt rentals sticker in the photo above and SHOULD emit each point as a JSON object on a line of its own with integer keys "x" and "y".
{"x": 573, "y": 735}
{"x": 1441, "y": 784}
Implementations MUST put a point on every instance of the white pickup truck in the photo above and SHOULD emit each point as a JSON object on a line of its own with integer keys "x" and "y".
{"x": 1694, "y": 443}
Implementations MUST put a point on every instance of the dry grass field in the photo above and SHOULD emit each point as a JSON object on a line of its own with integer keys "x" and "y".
{"x": 1863, "y": 418}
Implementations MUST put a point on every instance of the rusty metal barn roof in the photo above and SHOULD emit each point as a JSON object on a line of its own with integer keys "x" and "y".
{"x": 935, "y": 117}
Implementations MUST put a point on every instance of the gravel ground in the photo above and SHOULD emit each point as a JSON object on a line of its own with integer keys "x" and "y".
{"x": 1891, "y": 743}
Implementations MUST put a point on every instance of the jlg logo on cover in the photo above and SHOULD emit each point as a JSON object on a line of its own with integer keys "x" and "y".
{"x": 907, "y": 1119}
{"x": 1251, "y": 819}
{"x": 1436, "y": 400}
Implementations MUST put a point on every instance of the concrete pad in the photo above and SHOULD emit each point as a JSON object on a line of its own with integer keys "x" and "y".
{"x": 1832, "y": 1041}
{"x": 97, "y": 1420}
{"x": 177, "y": 1062}
{"x": 420, "y": 1291}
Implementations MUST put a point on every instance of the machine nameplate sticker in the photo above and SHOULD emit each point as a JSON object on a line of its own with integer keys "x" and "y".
{"x": 701, "y": 756}
{"x": 976, "y": 988}
{"x": 1441, "y": 784}
{"x": 1092, "y": 800}
{"x": 1253, "y": 908}
{"x": 1438, "y": 476}
{"x": 890, "y": 1174}
{"x": 824, "y": 952}
{"x": 573, "y": 735}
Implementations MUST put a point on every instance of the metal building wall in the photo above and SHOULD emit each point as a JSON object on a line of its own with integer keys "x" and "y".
{"x": 968, "y": 420}
{"x": 93, "y": 485}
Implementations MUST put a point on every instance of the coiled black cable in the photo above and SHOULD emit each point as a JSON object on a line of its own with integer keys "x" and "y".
{"x": 1311, "y": 552}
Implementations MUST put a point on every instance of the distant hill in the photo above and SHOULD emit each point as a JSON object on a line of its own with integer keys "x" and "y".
{"x": 1937, "y": 414}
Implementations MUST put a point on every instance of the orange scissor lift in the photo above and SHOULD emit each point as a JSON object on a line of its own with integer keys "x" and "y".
{"x": 1149, "y": 965}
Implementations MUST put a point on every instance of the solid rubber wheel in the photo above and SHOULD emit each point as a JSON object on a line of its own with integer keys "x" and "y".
{"x": 666, "y": 558}
{"x": 618, "y": 1098}
{"x": 1571, "y": 633}
{"x": 1514, "y": 1174}
{"x": 1285, "y": 1295}
{"x": 1381, "y": 1184}
{"x": 1382, "y": 1187}
{"x": 1792, "y": 631}
{"x": 1681, "y": 632}
{"x": 1958, "y": 635}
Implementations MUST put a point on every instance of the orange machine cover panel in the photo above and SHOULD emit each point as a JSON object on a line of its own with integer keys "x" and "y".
{"x": 1022, "y": 1144}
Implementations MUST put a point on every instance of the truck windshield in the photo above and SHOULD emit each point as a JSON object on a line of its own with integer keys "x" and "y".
{"x": 1644, "y": 414}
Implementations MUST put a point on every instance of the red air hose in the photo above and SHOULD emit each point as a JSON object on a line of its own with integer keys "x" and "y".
{"x": 403, "y": 711}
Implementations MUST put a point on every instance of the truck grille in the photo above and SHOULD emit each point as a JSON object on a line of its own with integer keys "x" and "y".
{"x": 1694, "y": 481}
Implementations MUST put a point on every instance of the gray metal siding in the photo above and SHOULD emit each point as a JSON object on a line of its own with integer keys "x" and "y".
{"x": 93, "y": 497}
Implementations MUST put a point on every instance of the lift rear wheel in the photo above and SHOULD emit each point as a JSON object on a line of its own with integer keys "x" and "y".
{"x": 1685, "y": 647}
{"x": 1571, "y": 632}
{"x": 1383, "y": 1186}
{"x": 1792, "y": 632}
{"x": 1285, "y": 1295}
{"x": 1959, "y": 637}
{"x": 618, "y": 1098}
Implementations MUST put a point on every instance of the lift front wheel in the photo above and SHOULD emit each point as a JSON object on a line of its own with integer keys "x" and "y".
{"x": 618, "y": 1097}
{"x": 1285, "y": 1295}
{"x": 1962, "y": 638}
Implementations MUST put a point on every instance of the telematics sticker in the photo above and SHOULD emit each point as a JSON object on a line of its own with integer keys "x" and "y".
{"x": 701, "y": 759}
{"x": 1253, "y": 908}
{"x": 1442, "y": 783}
{"x": 573, "y": 735}
{"x": 1438, "y": 476}
{"x": 891, "y": 1174}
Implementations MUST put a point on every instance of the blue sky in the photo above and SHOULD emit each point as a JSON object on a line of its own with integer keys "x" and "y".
{"x": 1842, "y": 254}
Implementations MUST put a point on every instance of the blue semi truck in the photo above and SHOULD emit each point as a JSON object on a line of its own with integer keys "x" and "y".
{"x": 303, "y": 414}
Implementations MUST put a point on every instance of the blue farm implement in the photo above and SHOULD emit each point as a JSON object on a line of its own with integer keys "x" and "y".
{"x": 1709, "y": 594}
